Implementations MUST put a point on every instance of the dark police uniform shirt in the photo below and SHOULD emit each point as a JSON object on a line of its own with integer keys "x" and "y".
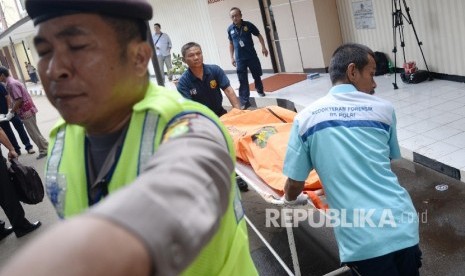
{"x": 244, "y": 34}
{"x": 207, "y": 90}
{"x": 3, "y": 102}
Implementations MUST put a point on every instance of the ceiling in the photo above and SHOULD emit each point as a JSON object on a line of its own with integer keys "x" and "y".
{"x": 18, "y": 31}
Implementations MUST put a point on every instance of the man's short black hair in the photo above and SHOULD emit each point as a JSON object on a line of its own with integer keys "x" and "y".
{"x": 157, "y": 24}
{"x": 345, "y": 55}
{"x": 237, "y": 9}
{"x": 4, "y": 71}
{"x": 187, "y": 46}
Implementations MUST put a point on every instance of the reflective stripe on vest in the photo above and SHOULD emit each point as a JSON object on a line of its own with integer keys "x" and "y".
{"x": 55, "y": 184}
{"x": 148, "y": 140}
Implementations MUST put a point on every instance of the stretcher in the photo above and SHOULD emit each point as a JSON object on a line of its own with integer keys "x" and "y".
{"x": 260, "y": 139}
{"x": 248, "y": 175}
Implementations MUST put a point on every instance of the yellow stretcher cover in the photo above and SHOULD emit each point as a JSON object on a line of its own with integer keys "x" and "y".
{"x": 260, "y": 138}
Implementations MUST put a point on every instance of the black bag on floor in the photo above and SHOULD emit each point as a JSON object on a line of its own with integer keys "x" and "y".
{"x": 27, "y": 182}
{"x": 382, "y": 63}
{"x": 416, "y": 77}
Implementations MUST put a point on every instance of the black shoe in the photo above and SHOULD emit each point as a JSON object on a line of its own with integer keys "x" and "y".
{"x": 262, "y": 94}
{"x": 245, "y": 106}
{"x": 242, "y": 184}
{"x": 24, "y": 230}
{"x": 5, "y": 232}
{"x": 18, "y": 152}
{"x": 41, "y": 155}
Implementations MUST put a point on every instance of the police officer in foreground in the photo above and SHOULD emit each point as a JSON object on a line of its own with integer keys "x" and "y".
{"x": 118, "y": 150}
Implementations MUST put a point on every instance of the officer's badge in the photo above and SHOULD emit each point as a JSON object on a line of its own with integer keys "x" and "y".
{"x": 213, "y": 84}
{"x": 246, "y": 29}
{"x": 193, "y": 91}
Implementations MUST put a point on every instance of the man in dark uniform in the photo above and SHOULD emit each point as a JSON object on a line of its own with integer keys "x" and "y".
{"x": 202, "y": 82}
{"x": 8, "y": 199}
{"x": 243, "y": 54}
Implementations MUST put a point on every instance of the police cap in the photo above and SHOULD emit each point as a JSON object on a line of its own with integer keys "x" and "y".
{"x": 43, "y": 10}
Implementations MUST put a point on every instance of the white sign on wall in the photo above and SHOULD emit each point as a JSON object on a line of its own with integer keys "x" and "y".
{"x": 363, "y": 14}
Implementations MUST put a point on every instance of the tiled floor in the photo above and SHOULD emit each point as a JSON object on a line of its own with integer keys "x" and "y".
{"x": 430, "y": 115}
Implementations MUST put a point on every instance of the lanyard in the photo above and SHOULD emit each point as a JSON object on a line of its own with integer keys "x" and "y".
{"x": 158, "y": 38}
{"x": 235, "y": 30}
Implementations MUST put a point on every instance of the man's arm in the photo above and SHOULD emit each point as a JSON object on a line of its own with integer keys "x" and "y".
{"x": 183, "y": 88}
{"x": 262, "y": 42}
{"x": 159, "y": 223}
{"x": 84, "y": 245}
{"x": 229, "y": 92}
{"x": 16, "y": 105}
{"x": 169, "y": 44}
{"x": 6, "y": 142}
{"x": 9, "y": 102}
{"x": 293, "y": 188}
{"x": 231, "y": 52}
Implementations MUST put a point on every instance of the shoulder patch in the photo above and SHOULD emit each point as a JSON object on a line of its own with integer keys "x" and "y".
{"x": 179, "y": 127}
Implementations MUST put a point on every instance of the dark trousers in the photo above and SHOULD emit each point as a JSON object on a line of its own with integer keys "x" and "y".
{"x": 34, "y": 77}
{"x": 8, "y": 199}
{"x": 256, "y": 69}
{"x": 19, "y": 126}
{"x": 404, "y": 262}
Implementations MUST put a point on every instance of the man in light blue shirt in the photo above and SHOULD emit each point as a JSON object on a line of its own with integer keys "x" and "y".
{"x": 162, "y": 42}
{"x": 349, "y": 137}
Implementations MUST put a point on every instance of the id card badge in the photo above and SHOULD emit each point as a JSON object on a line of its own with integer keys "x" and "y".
{"x": 241, "y": 43}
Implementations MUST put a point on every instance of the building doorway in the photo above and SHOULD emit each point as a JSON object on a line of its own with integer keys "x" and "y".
{"x": 284, "y": 36}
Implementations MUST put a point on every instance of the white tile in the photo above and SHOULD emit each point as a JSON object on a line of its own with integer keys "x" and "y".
{"x": 404, "y": 120}
{"x": 457, "y": 140}
{"x": 412, "y": 109}
{"x": 460, "y": 111}
{"x": 416, "y": 142}
{"x": 406, "y": 153}
{"x": 448, "y": 106}
{"x": 452, "y": 94}
{"x": 423, "y": 126}
{"x": 436, "y": 150}
{"x": 459, "y": 124}
{"x": 442, "y": 133}
{"x": 455, "y": 159}
{"x": 429, "y": 113}
{"x": 404, "y": 134}
{"x": 445, "y": 118}
{"x": 461, "y": 99}
{"x": 400, "y": 104}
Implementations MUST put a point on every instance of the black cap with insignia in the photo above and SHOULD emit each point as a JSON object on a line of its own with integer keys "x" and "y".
{"x": 43, "y": 10}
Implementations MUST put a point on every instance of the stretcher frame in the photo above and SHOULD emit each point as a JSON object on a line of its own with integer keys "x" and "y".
{"x": 248, "y": 175}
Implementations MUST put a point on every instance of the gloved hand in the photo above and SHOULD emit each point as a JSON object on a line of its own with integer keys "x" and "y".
{"x": 302, "y": 199}
{"x": 9, "y": 115}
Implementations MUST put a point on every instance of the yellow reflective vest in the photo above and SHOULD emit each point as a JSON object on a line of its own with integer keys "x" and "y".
{"x": 227, "y": 253}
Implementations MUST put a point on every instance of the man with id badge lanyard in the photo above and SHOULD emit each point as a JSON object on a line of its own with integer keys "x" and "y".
{"x": 243, "y": 54}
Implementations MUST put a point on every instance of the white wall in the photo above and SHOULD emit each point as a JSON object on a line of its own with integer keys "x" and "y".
{"x": 185, "y": 21}
{"x": 440, "y": 25}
